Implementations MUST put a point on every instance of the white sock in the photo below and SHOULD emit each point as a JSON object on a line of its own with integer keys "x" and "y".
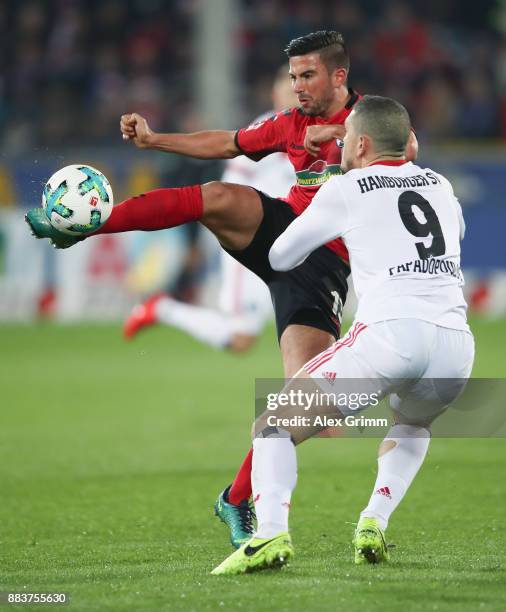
{"x": 273, "y": 478}
{"x": 396, "y": 470}
{"x": 204, "y": 324}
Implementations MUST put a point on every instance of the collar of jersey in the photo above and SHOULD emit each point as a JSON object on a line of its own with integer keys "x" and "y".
{"x": 390, "y": 162}
{"x": 341, "y": 115}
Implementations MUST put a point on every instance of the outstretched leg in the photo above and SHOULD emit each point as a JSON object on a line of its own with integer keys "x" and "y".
{"x": 232, "y": 212}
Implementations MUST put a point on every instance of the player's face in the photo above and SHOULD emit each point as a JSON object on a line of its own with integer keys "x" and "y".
{"x": 352, "y": 148}
{"x": 312, "y": 83}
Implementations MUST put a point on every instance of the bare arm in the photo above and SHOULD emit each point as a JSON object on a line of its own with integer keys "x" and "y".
{"x": 210, "y": 144}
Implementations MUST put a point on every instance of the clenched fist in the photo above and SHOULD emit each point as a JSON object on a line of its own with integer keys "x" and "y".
{"x": 134, "y": 127}
{"x": 318, "y": 134}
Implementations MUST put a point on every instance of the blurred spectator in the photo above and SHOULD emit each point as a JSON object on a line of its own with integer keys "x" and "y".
{"x": 68, "y": 68}
{"x": 444, "y": 60}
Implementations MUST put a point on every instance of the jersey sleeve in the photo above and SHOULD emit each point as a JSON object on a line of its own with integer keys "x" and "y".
{"x": 462, "y": 223}
{"x": 323, "y": 220}
{"x": 264, "y": 137}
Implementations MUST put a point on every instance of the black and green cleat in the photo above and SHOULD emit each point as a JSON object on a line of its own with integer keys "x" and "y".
{"x": 41, "y": 228}
{"x": 239, "y": 519}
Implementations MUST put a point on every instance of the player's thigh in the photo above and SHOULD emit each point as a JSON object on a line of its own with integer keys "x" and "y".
{"x": 232, "y": 212}
{"x": 336, "y": 383}
{"x": 366, "y": 365}
{"x": 312, "y": 294}
{"x": 449, "y": 366}
{"x": 300, "y": 343}
{"x": 308, "y": 303}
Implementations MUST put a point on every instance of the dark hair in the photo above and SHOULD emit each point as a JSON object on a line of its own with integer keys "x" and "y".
{"x": 385, "y": 121}
{"x": 329, "y": 44}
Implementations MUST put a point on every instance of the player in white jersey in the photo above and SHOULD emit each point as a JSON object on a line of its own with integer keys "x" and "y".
{"x": 244, "y": 303}
{"x": 402, "y": 226}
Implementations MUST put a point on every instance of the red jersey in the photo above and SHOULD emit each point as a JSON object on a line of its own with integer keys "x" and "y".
{"x": 285, "y": 132}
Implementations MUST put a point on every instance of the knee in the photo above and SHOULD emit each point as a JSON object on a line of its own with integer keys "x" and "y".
{"x": 261, "y": 429}
{"x": 216, "y": 196}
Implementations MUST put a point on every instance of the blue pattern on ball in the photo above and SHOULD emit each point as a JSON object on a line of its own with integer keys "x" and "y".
{"x": 53, "y": 199}
{"x": 96, "y": 181}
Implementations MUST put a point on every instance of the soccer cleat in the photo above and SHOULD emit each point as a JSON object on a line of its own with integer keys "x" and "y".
{"x": 143, "y": 315}
{"x": 257, "y": 554}
{"x": 369, "y": 541}
{"x": 41, "y": 228}
{"x": 239, "y": 519}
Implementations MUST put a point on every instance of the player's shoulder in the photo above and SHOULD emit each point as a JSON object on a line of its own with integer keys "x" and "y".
{"x": 441, "y": 178}
{"x": 283, "y": 115}
{"x": 434, "y": 177}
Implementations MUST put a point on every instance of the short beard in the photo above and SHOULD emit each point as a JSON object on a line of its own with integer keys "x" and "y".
{"x": 319, "y": 108}
{"x": 312, "y": 113}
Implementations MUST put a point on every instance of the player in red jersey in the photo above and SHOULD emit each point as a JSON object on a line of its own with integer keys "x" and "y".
{"x": 307, "y": 300}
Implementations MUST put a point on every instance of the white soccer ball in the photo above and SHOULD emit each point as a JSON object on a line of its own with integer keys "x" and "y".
{"x": 77, "y": 199}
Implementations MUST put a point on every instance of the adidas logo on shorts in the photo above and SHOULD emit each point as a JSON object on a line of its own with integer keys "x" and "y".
{"x": 330, "y": 376}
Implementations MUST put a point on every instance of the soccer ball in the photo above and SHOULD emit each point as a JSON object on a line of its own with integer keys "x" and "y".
{"x": 77, "y": 199}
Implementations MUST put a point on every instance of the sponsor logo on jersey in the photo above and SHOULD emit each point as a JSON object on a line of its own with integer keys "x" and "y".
{"x": 318, "y": 173}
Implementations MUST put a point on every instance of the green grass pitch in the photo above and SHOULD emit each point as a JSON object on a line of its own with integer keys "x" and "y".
{"x": 112, "y": 455}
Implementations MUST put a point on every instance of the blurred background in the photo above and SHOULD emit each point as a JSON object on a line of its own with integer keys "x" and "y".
{"x": 70, "y": 68}
{"x": 112, "y": 454}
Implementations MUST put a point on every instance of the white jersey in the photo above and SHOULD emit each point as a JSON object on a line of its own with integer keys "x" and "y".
{"x": 402, "y": 226}
{"x": 273, "y": 174}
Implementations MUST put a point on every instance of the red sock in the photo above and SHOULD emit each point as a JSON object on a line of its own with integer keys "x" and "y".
{"x": 154, "y": 210}
{"x": 241, "y": 487}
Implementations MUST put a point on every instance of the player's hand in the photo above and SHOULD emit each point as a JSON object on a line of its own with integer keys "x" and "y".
{"x": 134, "y": 127}
{"x": 318, "y": 134}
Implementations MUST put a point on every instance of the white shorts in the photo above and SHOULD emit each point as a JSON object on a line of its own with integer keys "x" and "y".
{"x": 423, "y": 367}
{"x": 244, "y": 297}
